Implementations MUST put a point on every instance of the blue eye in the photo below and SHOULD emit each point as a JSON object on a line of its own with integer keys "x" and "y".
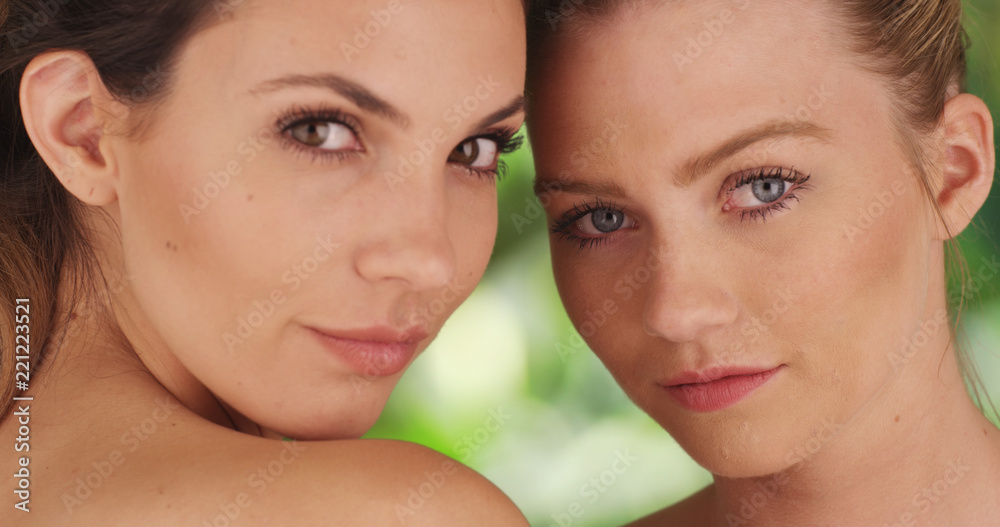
{"x": 768, "y": 190}
{"x": 590, "y": 224}
{"x": 606, "y": 220}
{"x": 759, "y": 193}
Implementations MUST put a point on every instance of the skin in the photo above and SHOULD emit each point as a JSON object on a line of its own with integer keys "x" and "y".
{"x": 390, "y": 251}
{"x": 699, "y": 282}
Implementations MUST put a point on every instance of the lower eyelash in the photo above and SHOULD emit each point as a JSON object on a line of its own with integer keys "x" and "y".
{"x": 761, "y": 214}
{"x": 564, "y": 235}
{"x": 315, "y": 154}
{"x": 495, "y": 174}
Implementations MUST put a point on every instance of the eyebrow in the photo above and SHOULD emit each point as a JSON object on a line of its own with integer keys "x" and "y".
{"x": 695, "y": 167}
{"x": 514, "y": 107}
{"x": 610, "y": 189}
{"x": 698, "y": 166}
{"x": 356, "y": 93}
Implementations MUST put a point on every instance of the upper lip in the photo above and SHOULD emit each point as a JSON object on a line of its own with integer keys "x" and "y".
{"x": 376, "y": 334}
{"x": 713, "y": 373}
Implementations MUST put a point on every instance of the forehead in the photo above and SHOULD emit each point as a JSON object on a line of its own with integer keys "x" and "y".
{"x": 686, "y": 74}
{"x": 412, "y": 52}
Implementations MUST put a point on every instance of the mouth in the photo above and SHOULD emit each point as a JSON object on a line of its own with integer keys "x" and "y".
{"x": 717, "y": 389}
{"x": 377, "y": 351}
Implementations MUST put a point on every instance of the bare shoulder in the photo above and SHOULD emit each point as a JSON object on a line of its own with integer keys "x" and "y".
{"x": 365, "y": 482}
{"x": 691, "y": 512}
{"x": 194, "y": 473}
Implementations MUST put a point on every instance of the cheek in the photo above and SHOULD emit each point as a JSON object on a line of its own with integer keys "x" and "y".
{"x": 861, "y": 290}
{"x": 471, "y": 222}
{"x": 602, "y": 300}
{"x": 200, "y": 252}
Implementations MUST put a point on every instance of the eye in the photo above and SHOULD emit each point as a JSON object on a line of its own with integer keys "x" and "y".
{"x": 603, "y": 221}
{"x": 324, "y": 135}
{"x": 478, "y": 152}
{"x": 759, "y": 192}
{"x": 591, "y": 224}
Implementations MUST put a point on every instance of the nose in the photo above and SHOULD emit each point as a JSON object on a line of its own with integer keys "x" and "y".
{"x": 685, "y": 298}
{"x": 409, "y": 240}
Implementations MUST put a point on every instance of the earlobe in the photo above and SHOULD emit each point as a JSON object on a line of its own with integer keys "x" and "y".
{"x": 60, "y": 95}
{"x": 968, "y": 164}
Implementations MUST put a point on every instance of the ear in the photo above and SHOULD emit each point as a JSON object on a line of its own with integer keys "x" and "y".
{"x": 969, "y": 162}
{"x": 65, "y": 107}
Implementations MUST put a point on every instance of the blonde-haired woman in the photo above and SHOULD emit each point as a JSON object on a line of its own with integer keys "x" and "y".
{"x": 772, "y": 225}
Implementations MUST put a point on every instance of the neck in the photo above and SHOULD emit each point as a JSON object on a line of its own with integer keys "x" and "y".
{"x": 99, "y": 336}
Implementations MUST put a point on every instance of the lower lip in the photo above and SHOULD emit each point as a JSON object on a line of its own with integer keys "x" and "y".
{"x": 719, "y": 394}
{"x": 369, "y": 358}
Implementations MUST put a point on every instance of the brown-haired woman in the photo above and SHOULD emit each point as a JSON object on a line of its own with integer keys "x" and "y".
{"x": 772, "y": 223}
{"x": 224, "y": 223}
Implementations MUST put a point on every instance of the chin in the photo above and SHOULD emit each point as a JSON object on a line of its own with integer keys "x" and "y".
{"x": 346, "y": 418}
{"x": 730, "y": 446}
{"x": 344, "y": 427}
{"x": 736, "y": 466}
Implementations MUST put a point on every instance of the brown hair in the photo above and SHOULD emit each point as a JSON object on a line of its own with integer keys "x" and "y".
{"x": 917, "y": 46}
{"x": 42, "y": 235}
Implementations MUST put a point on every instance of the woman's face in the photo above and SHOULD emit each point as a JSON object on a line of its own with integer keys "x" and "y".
{"x": 736, "y": 230}
{"x": 315, "y": 197}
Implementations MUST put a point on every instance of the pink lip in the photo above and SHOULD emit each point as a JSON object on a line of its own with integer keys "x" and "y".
{"x": 717, "y": 388}
{"x": 378, "y": 351}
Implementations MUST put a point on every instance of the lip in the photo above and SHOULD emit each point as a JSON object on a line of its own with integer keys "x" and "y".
{"x": 716, "y": 389}
{"x": 377, "y": 351}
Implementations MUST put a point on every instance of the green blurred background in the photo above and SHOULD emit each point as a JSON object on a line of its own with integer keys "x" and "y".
{"x": 510, "y": 389}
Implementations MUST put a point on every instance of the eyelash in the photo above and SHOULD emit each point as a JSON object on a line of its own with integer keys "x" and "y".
{"x": 505, "y": 138}
{"x": 562, "y": 228}
{"x": 302, "y": 115}
{"x": 792, "y": 176}
{"x": 507, "y": 142}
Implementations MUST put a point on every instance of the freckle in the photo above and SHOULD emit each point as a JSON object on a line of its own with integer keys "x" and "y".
{"x": 896, "y": 419}
{"x": 249, "y": 197}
